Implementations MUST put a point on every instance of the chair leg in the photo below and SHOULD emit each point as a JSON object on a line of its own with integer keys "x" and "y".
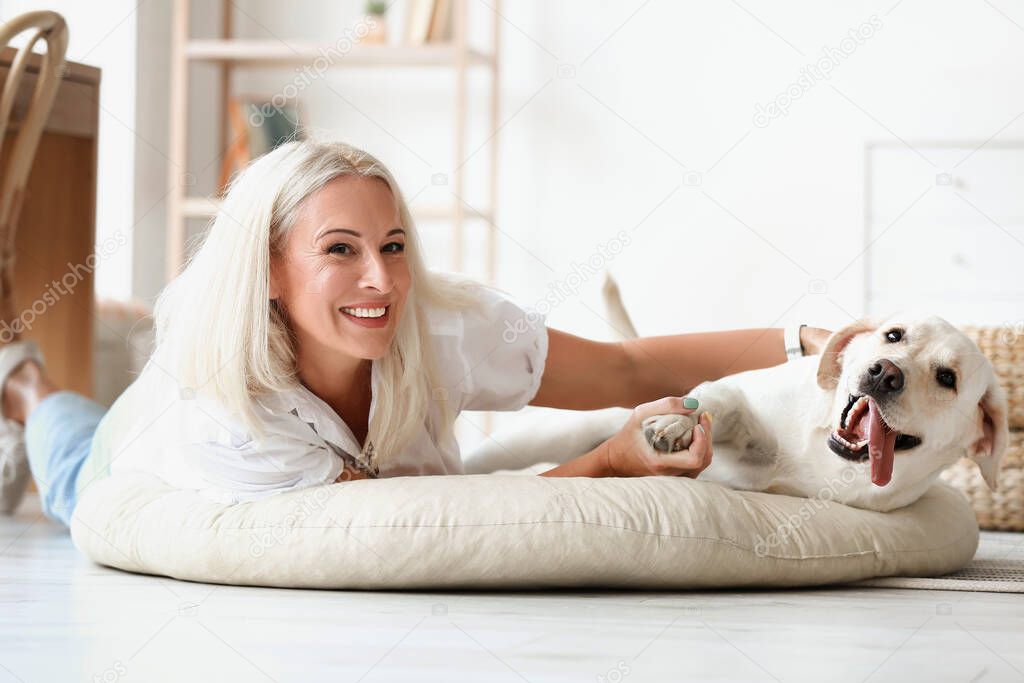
{"x": 50, "y": 28}
{"x": 9, "y": 329}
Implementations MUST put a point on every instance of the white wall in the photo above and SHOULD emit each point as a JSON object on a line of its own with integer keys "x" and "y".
{"x": 680, "y": 81}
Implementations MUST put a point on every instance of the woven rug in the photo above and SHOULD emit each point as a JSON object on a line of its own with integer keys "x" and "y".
{"x": 997, "y": 567}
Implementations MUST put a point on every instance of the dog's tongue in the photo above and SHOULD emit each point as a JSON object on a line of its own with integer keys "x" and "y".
{"x": 881, "y": 447}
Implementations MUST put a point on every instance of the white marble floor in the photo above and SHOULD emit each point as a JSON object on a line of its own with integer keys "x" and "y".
{"x": 64, "y": 619}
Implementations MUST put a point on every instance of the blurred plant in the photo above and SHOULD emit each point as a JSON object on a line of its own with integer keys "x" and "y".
{"x": 376, "y": 8}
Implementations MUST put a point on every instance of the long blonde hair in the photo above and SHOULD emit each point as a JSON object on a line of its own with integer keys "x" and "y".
{"x": 222, "y": 335}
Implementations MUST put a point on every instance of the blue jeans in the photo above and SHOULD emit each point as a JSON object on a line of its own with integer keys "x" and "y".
{"x": 58, "y": 438}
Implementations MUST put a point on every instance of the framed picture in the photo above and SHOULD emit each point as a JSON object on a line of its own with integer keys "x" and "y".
{"x": 256, "y": 125}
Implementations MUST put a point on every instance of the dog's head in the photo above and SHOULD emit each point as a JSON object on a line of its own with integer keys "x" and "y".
{"x": 914, "y": 388}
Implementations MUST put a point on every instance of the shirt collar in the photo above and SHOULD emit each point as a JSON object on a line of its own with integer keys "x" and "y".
{"x": 300, "y": 402}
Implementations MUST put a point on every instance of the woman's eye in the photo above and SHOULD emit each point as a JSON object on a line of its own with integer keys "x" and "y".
{"x": 394, "y": 248}
{"x": 340, "y": 249}
{"x": 894, "y": 335}
{"x": 946, "y": 378}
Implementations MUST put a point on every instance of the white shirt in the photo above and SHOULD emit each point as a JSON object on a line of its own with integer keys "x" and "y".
{"x": 489, "y": 358}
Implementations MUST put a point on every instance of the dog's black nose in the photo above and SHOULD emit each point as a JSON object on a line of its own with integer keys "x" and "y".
{"x": 884, "y": 377}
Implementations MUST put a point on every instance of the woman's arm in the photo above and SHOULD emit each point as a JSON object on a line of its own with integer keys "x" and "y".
{"x": 674, "y": 364}
{"x": 582, "y": 374}
{"x": 591, "y": 464}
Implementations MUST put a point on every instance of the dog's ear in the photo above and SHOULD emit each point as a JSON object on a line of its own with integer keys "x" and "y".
{"x": 992, "y": 432}
{"x": 830, "y": 367}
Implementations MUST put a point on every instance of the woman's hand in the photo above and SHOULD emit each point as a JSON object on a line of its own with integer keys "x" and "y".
{"x": 813, "y": 339}
{"x": 350, "y": 473}
{"x": 628, "y": 454}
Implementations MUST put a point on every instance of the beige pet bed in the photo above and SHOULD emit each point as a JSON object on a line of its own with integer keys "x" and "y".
{"x": 516, "y": 531}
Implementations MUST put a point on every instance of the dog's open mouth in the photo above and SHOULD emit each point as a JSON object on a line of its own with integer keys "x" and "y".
{"x": 863, "y": 434}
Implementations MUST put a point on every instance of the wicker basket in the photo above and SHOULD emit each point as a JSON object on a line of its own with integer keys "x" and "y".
{"x": 1003, "y": 509}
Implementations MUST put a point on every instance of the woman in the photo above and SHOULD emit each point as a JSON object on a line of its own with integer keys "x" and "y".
{"x": 305, "y": 343}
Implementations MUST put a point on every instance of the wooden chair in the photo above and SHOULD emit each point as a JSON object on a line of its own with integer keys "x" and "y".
{"x": 51, "y": 28}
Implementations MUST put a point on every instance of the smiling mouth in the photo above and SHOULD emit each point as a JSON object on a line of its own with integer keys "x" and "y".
{"x": 863, "y": 435}
{"x": 377, "y": 312}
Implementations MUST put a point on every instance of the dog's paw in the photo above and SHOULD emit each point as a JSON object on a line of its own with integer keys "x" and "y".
{"x": 670, "y": 432}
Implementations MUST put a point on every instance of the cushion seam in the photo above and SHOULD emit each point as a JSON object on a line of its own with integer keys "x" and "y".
{"x": 603, "y": 526}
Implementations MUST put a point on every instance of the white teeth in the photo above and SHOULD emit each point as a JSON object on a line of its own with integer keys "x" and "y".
{"x": 856, "y": 446}
{"x": 858, "y": 405}
{"x": 365, "y": 312}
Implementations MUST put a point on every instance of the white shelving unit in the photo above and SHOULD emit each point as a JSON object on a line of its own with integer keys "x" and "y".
{"x": 230, "y": 54}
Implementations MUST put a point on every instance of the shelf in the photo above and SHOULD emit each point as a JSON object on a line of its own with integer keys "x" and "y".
{"x": 444, "y": 213}
{"x": 199, "y": 207}
{"x": 277, "y": 53}
{"x": 205, "y": 207}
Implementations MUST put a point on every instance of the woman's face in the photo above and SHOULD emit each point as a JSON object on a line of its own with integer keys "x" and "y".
{"x": 343, "y": 277}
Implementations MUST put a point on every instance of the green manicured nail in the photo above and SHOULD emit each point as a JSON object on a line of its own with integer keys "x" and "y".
{"x": 690, "y": 402}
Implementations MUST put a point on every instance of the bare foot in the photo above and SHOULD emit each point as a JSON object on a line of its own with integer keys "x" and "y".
{"x": 24, "y": 389}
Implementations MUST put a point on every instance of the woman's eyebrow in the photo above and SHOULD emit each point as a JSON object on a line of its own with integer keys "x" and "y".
{"x": 393, "y": 231}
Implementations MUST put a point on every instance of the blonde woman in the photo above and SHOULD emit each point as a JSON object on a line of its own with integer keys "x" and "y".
{"x": 306, "y": 343}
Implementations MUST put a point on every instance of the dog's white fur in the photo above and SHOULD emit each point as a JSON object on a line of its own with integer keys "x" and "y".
{"x": 771, "y": 425}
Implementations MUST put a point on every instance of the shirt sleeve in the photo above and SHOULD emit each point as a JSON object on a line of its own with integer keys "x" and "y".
{"x": 492, "y": 355}
{"x": 234, "y": 467}
{"x": 191, "y": 442}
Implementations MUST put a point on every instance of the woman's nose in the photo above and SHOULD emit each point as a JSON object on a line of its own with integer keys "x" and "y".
{"x": 376, "y": 274}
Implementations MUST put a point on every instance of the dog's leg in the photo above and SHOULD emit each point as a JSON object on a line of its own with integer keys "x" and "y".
{"x": 745, "y": 450}
{"x": 674, "y": 432}
{"x": 555, "y": 436}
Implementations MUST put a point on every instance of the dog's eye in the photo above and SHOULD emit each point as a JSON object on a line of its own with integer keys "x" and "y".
{"x": 946, "y": 378}
{"x": 894, "y": 335}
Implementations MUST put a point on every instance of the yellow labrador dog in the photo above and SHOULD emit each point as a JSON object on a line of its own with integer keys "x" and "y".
{"x": 870, "y": 423}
